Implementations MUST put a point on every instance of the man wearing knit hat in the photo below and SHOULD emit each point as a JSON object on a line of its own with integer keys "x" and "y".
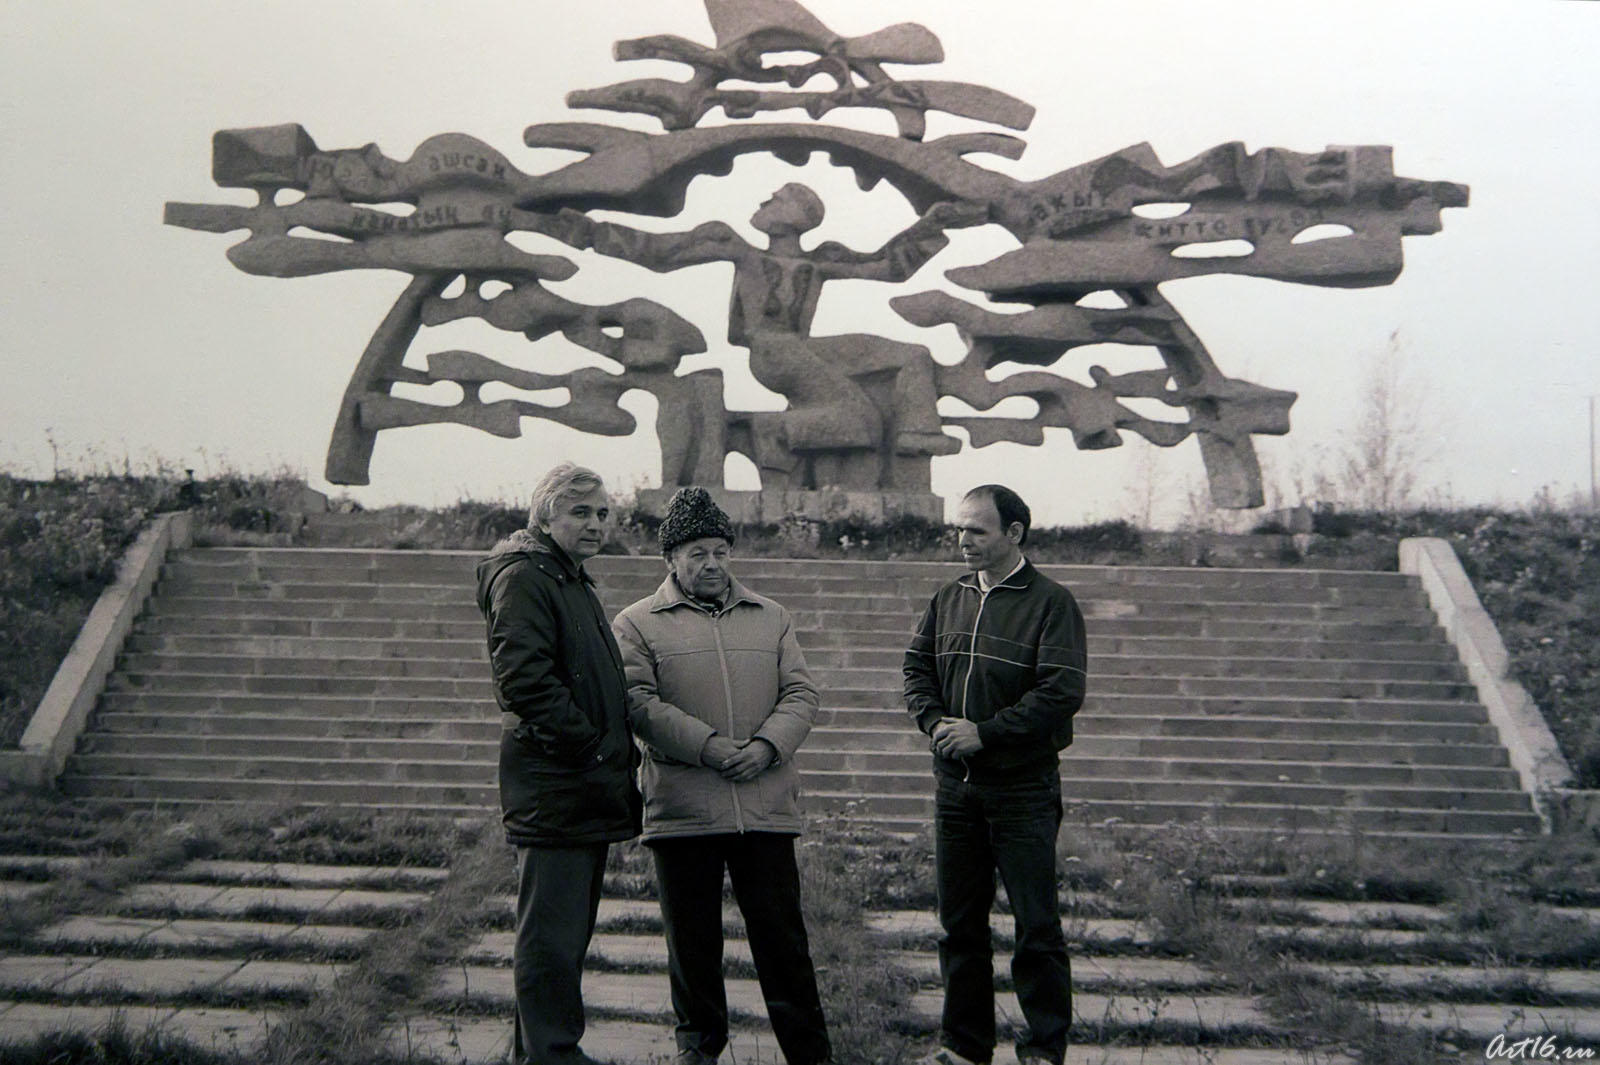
{"x": 719, "y": 693}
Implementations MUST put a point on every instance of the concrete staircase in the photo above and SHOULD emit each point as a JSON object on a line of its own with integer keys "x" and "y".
{"x": 1286, "y": 699}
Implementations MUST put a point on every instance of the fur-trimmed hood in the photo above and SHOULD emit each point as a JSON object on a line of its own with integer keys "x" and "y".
{"x": 524, "y": 540}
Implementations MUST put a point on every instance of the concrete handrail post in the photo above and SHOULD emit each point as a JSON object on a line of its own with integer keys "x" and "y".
{"x": 1532, "y": 747}
{"x": 63, "y": 712}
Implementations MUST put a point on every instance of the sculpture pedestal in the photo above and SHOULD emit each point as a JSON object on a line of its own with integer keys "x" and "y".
{"x": 771, "y": 506}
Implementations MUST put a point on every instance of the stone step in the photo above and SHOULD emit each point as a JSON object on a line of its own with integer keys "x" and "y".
{"x": 795, "y": 593}
{"x": 848, "y": 626}
{"x": 905, "y": 813}
{"x": 856, "y": 604}
{"x": 460, "y": 783}
{"x": 1127, "y": 716}
{"x": 464, "y": 1040}
{"x": 197, "y": 631}
{"x": 424, "y": 737}
{"x": 1321, "y": 719}
{"x": 1103, "y": 745}
{"x": 1079, "y": 763}
{"x": 444, "y": 798}
{"x": 446, "y": 564}
{"x": 335, "y": 637}
{"x": 1076, "y": 765}
{"x": 1219, "y": 788}
{"x": 470, "y": 659}
{"x": 849, "y": 688}
{"x": 209, "y": 1027}
{"x": 379, "y": 764}
{"x": 104, "y": 935}
{"x": 642, "y": 995}
{"x": 111, "y": 728}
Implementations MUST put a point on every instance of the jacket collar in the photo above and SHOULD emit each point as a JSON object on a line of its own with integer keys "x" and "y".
{"x": 1020, "y": 578}
{"x": 669, "y": 595}
{"x": 538, "y": 543}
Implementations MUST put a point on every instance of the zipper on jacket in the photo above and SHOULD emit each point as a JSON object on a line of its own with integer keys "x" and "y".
{"x": 727, "y": 695}
{"x": 972, "y": 664}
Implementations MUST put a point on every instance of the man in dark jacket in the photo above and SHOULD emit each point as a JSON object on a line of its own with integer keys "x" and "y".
{"x": 994, "y": 673}
{"x": 567, "y": 760}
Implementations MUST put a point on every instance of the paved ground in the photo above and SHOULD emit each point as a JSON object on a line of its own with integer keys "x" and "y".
{"x": 218, "y": 952}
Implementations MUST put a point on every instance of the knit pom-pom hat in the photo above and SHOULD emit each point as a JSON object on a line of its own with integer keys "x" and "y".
{"x": 692, "y": 515}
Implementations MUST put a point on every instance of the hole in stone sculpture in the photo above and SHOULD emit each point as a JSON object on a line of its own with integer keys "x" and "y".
{"x": 613, "y": 330}
{"x": 789, "y": 59}
{"x": 312, "y": 234}
{"x": 455, "y": 288}
{"x": 1324, "y": 231}
{"x": 437, "y": 394}
{"x": 1103, "y": 300}
{"x": 495, "y": 391}
{"x": 1170, "y": 209}
{"x": 493, "y": 287}
{"x": 286, "y": 197}
{"x": 539, "y": 244}
{"x": 739, "y": 473}
{"x": 1214, "y": 249}
{"x": 1154, "y": 409}
{"x": 1023, "y": 407}
{"x": 1116, "y": 358}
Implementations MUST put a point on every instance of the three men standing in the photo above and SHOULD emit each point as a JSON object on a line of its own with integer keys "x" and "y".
{"x": 566, "y": 759}
{"x": 721, "y": 697}
{"x": 994, "y": 673}
{"x": 710, "y": 676}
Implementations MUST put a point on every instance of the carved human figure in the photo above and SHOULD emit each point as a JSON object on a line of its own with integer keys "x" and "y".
{"x": 834, "y": 431}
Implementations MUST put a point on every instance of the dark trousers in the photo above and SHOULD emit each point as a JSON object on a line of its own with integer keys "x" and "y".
{"x": 558, "y": 897}
{"x": 1011, "y": 829}
{"x": 766, "y": 885}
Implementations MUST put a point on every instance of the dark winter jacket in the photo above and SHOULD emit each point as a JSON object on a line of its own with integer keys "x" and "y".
{"x": 1012, "y": 659}
{"x": 566, "y": 758}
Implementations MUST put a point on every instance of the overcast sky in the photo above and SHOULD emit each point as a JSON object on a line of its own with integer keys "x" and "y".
{"x": 124, "y": 339}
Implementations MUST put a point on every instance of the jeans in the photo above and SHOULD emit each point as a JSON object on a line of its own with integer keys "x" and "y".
{"x": 558, "y": 898}
{"x": 1008, "y": 828}
{"x": 766, "y": 885}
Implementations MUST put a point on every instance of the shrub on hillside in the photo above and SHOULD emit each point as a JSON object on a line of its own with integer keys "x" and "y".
{"x": 1086, "y": 543}
{"x": 59, "y": 545}
{"x": 1538, "y": 575}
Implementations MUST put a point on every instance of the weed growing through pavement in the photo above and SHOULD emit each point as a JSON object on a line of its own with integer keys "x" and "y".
{"x": 115, "y": 1043}
{"x": 865, "y": 996}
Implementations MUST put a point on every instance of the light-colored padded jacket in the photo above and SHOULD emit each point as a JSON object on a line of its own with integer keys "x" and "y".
{"x": 693, "y": 673}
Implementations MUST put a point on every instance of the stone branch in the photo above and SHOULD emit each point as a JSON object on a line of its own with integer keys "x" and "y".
{"x": 682, "y": 104}
{"x": 747, "y": 33}
{"x": 591, "y": 406}
{"x": 1223, "y": 411}
{"x": 651, "y": 336}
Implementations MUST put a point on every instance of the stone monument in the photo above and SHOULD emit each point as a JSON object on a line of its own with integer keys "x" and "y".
{"x": 861, "y": 426}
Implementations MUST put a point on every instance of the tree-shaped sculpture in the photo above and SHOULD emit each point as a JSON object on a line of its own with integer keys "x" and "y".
{"x": 862, "y": 410}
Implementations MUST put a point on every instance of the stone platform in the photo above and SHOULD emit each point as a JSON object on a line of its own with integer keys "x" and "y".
{"x": 771, "y": 506}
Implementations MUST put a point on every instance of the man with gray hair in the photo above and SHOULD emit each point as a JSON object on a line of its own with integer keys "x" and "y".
{"x": 567, "y": 760}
